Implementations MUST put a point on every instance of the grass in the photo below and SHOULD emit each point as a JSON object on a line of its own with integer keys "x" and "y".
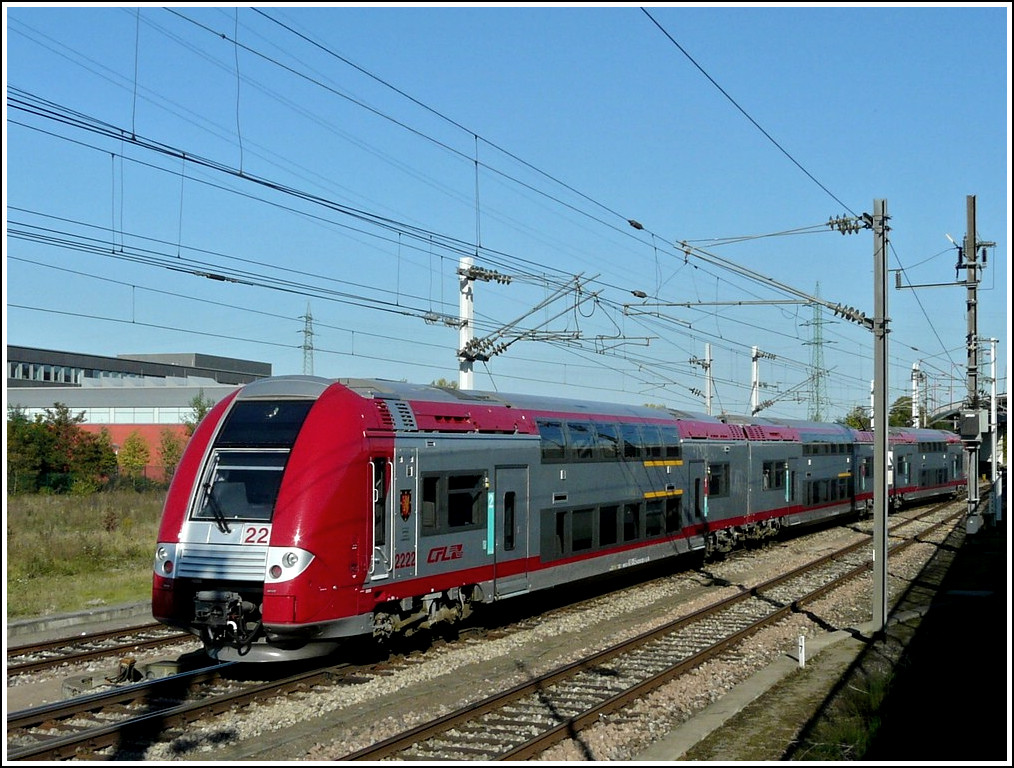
{"x": 71, "y": 553}
{"x": 847, "y": 729}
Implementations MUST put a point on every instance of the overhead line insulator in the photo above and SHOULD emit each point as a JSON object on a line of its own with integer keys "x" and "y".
{"x": 486, "y": 275}
{"x": 849, "y": 225}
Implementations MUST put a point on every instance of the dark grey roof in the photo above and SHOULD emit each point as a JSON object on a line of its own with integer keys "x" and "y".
{"x": 115, "y": 396}
{"x": 224, "y": 370}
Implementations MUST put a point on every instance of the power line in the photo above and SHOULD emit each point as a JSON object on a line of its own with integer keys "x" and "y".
{"x": 243, "y": 176}
{"x": 746, "y": 114}
{"x": 698, "y": 253}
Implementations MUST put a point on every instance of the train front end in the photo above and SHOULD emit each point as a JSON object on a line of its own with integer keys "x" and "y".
{"x": 258, "y": 550}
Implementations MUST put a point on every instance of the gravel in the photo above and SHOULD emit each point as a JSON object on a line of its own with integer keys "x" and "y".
{"x": 329, "y": 723}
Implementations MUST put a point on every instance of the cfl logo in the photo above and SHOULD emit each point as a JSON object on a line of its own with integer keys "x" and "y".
{"x": 443, "y": 554}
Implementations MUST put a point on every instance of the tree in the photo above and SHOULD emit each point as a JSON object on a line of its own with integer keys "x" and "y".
{"x": 24, "y": 451}
{"x": 63, "y": 430}
{"x": 107, "y": 464}
{"x": 857, "y": 418}
{"x": 199, "y": 407}
{"x": 53, "y": 453}
{"x": 94, "y": 461}
{"x": 134, "y": 455}
{"x": 900, "y": 414}
{"x": 445, "y": 383}
{"x": 170, "y": 451}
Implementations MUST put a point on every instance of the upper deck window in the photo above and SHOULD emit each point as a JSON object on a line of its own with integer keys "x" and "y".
{"x": 554, "y": 442}
{"x": 581, "y": 438}
{"x": 633, "y": 443}
{"x": 263, "y": 423}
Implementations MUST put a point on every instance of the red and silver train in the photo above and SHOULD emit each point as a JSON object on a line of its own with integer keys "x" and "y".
{"x": 306, "y": 511}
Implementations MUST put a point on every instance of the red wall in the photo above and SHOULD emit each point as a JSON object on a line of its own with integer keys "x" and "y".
{"x": 152, "y": 434}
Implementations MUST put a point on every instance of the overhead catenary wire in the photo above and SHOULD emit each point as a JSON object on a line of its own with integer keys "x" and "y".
{"x": 15, "y": 233}
{"x": 398, "y": 232}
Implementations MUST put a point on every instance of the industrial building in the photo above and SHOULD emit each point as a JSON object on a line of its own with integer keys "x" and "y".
{"x": 124, "y": 394}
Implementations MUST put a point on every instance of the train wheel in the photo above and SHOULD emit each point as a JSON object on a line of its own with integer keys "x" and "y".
{"x": 383, "y": 626}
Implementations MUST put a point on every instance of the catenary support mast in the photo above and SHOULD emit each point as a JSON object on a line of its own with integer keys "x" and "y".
{"x": 880, "y": 418}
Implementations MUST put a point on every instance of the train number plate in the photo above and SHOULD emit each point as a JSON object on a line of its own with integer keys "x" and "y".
{"x": 256, "y": 534}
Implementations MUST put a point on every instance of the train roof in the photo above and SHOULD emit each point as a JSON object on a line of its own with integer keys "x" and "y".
{"x": 922, "y": 435}
{"x": 693, "y": 424}
{"x": 540, "y": 403}
{"x": 806, "y": 431}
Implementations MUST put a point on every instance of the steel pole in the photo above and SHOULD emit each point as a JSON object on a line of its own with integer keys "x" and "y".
{"x": 880, "y": 415}
{"x": 466, "y": 331}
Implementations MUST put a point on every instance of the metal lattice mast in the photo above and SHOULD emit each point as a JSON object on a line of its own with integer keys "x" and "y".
{"x": 308, "y": 342}
{"x": 818, "y": 401}
{"x": 917, "y": 378}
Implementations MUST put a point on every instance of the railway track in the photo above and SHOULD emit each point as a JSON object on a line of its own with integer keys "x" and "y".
{"x": 38, "y": 657}
{"x": 524, "y": 721}
{"x": 104, "y": 724}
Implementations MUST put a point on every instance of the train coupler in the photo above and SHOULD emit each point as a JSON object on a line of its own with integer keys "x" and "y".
{"x": 226, "y": 618}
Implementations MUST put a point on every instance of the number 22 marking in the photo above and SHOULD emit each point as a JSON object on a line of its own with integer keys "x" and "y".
{"x": 256, "y": 534}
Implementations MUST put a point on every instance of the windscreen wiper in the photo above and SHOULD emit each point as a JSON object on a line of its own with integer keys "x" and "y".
{"x": 220, "y": 520}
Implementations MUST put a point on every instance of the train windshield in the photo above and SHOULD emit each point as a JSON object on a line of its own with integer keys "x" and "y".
{"x": 245, "y": 473}
{"x": 241, "y": 485}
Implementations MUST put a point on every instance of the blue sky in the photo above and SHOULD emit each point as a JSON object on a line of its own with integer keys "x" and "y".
{"x": 200, "y": 179}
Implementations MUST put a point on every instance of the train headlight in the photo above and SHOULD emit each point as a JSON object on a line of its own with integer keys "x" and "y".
{"x": 285, "y": 564}
{"x": 165, "y": 557}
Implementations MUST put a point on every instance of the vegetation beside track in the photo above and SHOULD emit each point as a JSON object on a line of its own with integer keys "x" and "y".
{"x": 68, "y": 553}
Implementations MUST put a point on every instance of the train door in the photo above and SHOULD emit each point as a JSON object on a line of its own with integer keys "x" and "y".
{"x": 403, "y": 518}
{"x": 791, "y": 492}
{"x": 380, "y": 479}
{"x": 510, "y": 530}
{"x": 698, "y": 484}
